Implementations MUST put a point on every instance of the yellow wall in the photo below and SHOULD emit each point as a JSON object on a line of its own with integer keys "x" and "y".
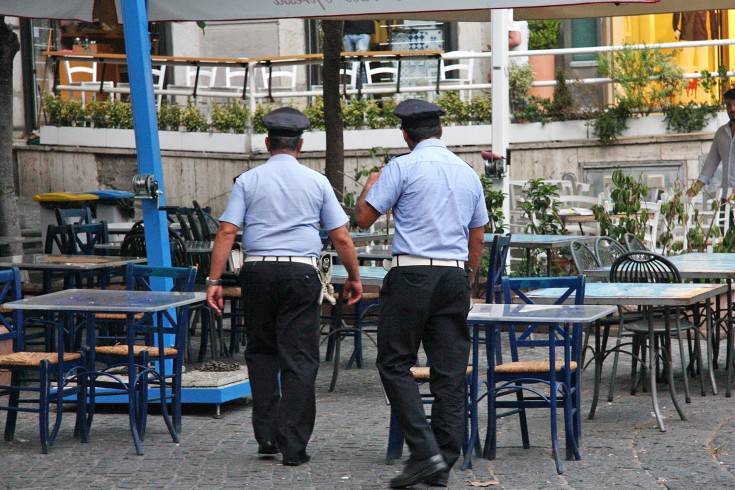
{"x": 658, "y": 28}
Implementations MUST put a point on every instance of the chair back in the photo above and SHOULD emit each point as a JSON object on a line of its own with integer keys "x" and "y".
{"x": 12, "y": 320}
{"x": 632, "y": 242}
{"x": 644, "y": 267}
{"x": 134, "y": 245}
{"x": 207, "y": 223}
{"x": 583, "y": 257}
{"x": 88, "y": 235}
{"x": 201, "y": 77}
{"x": 607, "y": 250}
{"x": 496, "y": 268}
{"x": 143, "y": 278}
{"x": 60, "y": 239}
{"x": 377, "y": 73}
{"x": 71, "y": 216}
{"x": 78, "y": 73}
{"x": 282, "y": 77}
{"x": 522, "y": 335}
{"x": 461, "y": 70}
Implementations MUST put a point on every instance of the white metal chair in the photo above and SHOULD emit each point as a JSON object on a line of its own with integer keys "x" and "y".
{"x": 651, "y": 236}
{"x": 280, "y": 77}
{"x": 381, "y": 73}
{"x": 84, "y": 76}
{"x": 159, "y": 77}
{"x": 460, "y": 72}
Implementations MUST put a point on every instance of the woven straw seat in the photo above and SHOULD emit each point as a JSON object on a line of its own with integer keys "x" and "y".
{"x": 531, "y": 367}
{"x": 116, "y": 316}
{"x": 421, "y": 373}
{"x": 231, "y": 292}
{"x": 122, "y": 350}
{"x": 35, "y": 358}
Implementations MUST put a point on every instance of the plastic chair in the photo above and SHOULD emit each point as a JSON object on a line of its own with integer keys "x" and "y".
{"x": 380, "y": 73}
{"x": 280, "y": 78}
{"x": 73, "y": 216}
{"x": 583, "y": 257}
{"x": 632, "y": 242}
{"x": 641, "y": 266}
{"x": 519, "y": 376}
{"x": 147, "y": 338}
{"x": 460, "y": 71}
{"x": 60, "y": 374}
{"x": 84, "y": 76}
{"x": 607, "y": 250}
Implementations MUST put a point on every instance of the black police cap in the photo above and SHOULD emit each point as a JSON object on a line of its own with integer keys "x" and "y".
{"x": 285, "y": 121}
{"x": 415, "y": 113}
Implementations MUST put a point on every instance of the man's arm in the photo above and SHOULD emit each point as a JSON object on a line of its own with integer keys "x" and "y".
{"x": 220, "y": 252}
{"x": 708, "y": 169}
{"x": 346, "y": 251}
{"x": 477, "y": 238}
{"x": 366, "y": 214}
{"x": 514, "y": 39}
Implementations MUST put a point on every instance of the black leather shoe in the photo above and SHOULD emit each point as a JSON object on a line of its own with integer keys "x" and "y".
{"x": 418, "y": 470}
{"x": 297, "y": 461}
{"x": 440, "y": 479}
{"x": 268, "y": 448}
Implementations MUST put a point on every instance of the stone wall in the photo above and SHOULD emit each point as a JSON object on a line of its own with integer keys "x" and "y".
{"x": 207, "y": 177}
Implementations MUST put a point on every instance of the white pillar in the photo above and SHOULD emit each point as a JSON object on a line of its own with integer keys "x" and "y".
{"x": 501, "y": 104}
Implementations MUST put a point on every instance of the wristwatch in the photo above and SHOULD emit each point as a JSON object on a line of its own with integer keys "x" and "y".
{"x": 213, "y": 282}
{"x": 468, "y": 269}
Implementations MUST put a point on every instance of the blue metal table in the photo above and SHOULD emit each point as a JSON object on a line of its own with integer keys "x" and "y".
{"x": 493, "y": 315}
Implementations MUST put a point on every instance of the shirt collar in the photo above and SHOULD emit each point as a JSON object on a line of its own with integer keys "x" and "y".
{"x": 282, "y": 158}
{"x": 430, "y": 143}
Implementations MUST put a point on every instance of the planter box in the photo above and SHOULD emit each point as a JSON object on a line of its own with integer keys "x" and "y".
{"x": 213, "y": 142}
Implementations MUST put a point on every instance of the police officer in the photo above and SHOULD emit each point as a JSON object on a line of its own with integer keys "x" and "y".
{"x": 279, "y": 205}
{"x": 439, "y": 213}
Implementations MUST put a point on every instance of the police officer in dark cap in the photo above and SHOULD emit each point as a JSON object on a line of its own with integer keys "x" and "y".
{"x": 439, "y": 213}
{"x": 280, "y": 205}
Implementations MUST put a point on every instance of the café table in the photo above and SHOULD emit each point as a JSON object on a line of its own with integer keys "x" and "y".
{"x": 645, "y": 294}
{"x": 529, "y": 241}
{"x": 91, "y": 301}
{"x": 704, "y": 267}
{"x": 492, "y": 316}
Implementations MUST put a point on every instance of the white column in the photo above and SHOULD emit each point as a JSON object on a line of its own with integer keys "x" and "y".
{"x": 501, "y": 104}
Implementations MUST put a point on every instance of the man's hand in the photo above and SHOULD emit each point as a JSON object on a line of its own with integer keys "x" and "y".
{"x": 677, "y": 34}
{"x": 215, "y": 299}
{"x": 695, "y": 188}
{"x": 352, "y": 291}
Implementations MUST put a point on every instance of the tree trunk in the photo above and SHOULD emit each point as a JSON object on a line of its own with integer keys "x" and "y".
{"x": 9, "y": 225}
{"x": 332, "y": 108}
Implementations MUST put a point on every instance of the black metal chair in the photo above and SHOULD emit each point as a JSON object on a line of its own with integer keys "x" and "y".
{"x": 60, "y": 374}
{"x": 640, "y": 266}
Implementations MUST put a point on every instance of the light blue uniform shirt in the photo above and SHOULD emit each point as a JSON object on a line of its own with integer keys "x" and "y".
{"x": 436, "y": 197}
{"x": 279, "y": 206}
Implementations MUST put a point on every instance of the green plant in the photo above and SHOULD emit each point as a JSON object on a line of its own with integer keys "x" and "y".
{"x": 119, "y": 114}
{"x": 193, "y": 119}
{"x": 169, "y": 116}
{"x": 97, "y": 113}
{"x": 229, "y": 118}
{"x": 315, "y": 113}
{"x": 626, "y": 197}
{"x": 688, "y": 118}
{"x": 261, "y": 110}
{"x": 714, "y": 86}
{"x": 644, "y": 79}
{"x": 563, "y": 106}
{"x": 457, "y": 111}
{"x": 543, "y": 34}
{"x": 610, "y": 122}
{"x": 52, "y": 105}
{"x": 72, "y": 113}
{"x": 494, "y": 203}
{"x": 673, "y": 214}
{"x": 541, "y": 207}
{"x": 520, "y": 78}
{"x": 390, "y": 120}
{"x": 481, "y": 108}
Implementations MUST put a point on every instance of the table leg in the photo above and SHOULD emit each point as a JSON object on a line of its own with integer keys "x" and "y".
{"x": 474, "y": 436}
{"x": 599, "y": 356}
{"x": 710, "y": 367}
{"x": 651, "y": 370}
{"x": 728, "y": 326}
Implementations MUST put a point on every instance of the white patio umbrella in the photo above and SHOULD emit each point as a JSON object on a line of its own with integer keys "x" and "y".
{"x": 135, "y": 17}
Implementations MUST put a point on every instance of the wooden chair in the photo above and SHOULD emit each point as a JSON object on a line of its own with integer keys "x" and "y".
{"x": 60, "y": 374}
{"x": 517, "y": 376}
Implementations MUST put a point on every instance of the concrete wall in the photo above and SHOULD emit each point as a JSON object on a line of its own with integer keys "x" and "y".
{"x": 207, "y": 177}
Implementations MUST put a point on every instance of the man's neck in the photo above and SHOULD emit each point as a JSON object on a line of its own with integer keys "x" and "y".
{"x": 294, "y": 154}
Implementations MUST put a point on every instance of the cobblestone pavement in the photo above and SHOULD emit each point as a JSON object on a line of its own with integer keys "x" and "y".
{"x": 622, "y": 447}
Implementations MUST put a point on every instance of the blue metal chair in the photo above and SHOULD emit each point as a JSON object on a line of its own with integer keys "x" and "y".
{"x": 81, "y": 216}
{"x": 147, "y": 338}
{"x": 496, "y": 268}
{"x": 561, "y": 374}
{"x": 60, "y": 374}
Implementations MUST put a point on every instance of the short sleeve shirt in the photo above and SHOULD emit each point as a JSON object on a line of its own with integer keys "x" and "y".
{"x": 279, "y": 206}
{"x": 435, "y": 196}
